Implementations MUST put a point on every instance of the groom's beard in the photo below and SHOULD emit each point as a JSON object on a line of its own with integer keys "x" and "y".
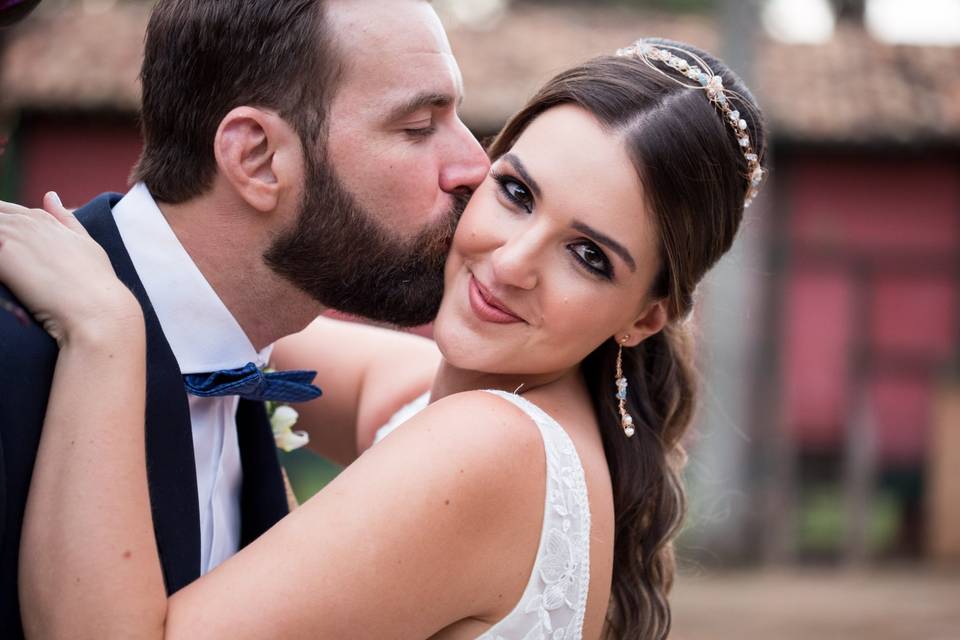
{"x": 338, "y": 254}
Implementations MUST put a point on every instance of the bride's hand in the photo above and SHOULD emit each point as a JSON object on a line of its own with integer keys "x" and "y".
{"x": 60, "y": 274}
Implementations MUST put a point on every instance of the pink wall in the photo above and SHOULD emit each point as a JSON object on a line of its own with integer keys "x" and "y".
{"x": 77, "y": 158}
{"x": 873, "y": 252}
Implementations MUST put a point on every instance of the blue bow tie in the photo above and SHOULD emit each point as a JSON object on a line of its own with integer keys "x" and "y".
{"x": 250, "y": 383}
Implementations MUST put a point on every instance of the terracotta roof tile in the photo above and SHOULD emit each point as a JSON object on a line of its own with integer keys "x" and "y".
{"x": 503, "y": 66}
{"x": 852, "y": 88}
{"x": 75, "y": 60}
{"x": 855, "y": 88}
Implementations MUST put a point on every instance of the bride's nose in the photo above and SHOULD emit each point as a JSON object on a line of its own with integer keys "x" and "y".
{"x": 515, "y": 262}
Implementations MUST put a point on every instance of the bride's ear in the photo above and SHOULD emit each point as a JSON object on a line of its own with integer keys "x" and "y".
{"x": 653, "y": 318}
{"x": 259, "y": 154}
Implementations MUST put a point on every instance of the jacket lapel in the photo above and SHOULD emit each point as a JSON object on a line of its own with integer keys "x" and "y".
{"x": 170, "y": 463}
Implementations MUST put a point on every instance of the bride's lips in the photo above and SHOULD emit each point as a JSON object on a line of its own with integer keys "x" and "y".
{"x": 487, "y": 307}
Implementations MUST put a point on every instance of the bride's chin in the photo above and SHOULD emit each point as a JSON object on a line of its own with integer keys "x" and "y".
{"x": 460, "y": 347}
{"x": 451, "y": 343}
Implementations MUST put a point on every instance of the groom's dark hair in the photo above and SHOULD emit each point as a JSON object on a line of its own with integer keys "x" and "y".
{"x": 203, "y": 58}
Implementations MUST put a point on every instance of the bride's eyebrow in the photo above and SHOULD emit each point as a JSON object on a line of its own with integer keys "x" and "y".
{"x": 519, "y": 167}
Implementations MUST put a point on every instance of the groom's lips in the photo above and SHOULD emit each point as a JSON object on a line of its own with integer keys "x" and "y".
{"x": 487, "y": 307}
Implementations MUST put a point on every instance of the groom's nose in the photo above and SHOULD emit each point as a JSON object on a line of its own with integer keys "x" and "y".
{"x": 466, "y": 165}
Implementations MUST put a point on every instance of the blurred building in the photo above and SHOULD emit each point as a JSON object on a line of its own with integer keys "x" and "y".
{"x": 841, "y": 434}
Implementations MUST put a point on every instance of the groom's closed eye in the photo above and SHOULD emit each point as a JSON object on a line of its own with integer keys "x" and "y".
{"x": 420, "y": 127}
{"x": 420, "y": 102}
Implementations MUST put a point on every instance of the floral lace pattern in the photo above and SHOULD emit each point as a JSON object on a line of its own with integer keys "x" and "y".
{"x": 555, "y": 600}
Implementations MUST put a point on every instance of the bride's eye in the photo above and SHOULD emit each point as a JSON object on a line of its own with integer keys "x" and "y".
{"x": 515, "y": 191}
{"x": 593, "y": 259}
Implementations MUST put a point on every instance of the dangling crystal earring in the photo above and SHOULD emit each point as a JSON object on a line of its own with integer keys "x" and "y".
{"x": 626, "y": 420}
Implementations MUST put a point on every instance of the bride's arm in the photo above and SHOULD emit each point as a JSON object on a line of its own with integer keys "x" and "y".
{"x": 366, "y": 374}
{"x": 437, "y": 524}
{"x": 88, "y": 560}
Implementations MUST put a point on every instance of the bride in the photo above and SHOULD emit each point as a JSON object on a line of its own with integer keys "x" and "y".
{"x": 535, "y": 489}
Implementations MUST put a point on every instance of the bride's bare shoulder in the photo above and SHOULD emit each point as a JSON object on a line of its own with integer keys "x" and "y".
{"x": 470, "y": 427}
{"x": 454, "y": 497}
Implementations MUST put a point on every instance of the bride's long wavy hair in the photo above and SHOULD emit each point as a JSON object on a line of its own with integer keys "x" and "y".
{"x": 695, "y": 179}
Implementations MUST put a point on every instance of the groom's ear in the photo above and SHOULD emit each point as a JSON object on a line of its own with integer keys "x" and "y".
{"x": 259, "y": 154}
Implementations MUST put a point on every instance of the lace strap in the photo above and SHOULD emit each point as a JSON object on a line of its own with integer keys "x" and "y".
{"x": 554, "y": 602}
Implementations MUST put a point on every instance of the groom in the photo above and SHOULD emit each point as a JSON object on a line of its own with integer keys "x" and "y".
{"x": 300, "y": 155}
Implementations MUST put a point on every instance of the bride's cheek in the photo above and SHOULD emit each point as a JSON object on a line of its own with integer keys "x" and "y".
{"x": 477, "y": 231}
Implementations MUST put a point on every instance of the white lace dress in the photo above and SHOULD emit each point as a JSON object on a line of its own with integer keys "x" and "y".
{"x": 554, "y": 602}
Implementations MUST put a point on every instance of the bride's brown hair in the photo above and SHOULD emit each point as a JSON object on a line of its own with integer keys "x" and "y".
{"x": 696, "y": 180}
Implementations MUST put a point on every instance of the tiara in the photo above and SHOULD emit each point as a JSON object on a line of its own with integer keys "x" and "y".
{"x": 703, "y": 78}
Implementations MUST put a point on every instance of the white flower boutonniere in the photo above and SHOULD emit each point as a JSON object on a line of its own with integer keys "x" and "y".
{"x": 282, "y": 419}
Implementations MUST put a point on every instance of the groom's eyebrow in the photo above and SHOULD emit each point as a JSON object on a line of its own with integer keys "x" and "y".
{"x": 419, "y": 101}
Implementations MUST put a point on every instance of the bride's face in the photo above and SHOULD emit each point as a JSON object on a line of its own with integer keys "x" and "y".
{"x": 555, "y": 253}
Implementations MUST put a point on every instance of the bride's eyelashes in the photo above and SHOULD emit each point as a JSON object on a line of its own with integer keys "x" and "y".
{"x": 514, "y": 191}
{"x": 587, "y": 254}
{"x": 592, "y": 258}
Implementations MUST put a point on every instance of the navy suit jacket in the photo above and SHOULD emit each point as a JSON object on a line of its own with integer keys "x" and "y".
{"x": 27, "y": 359}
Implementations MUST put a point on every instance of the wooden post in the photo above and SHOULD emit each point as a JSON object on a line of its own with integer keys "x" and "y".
{"x": 943, "y": 476}
{"x": 719, "y": 476}
{"x": 943, "y": 460}
{"x": 859, "y": 471}
{"x": 859, "y": 464}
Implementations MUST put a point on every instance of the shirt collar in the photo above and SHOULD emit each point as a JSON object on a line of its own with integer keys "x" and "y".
{"x": 201, "y": 331}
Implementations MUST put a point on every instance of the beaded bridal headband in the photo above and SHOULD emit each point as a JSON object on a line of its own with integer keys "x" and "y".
{"x": 704, "y": 78}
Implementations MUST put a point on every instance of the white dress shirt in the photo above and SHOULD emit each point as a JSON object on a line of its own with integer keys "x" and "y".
{"x": 204, "y": 337}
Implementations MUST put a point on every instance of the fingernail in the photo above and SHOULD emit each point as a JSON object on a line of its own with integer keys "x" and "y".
{"x": 17, "y": 312}
{"x": 21, "y": 316}
{"x": 56, "y": 198}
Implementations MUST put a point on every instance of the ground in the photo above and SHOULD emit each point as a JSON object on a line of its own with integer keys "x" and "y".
{"x": 914, "y": 604}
